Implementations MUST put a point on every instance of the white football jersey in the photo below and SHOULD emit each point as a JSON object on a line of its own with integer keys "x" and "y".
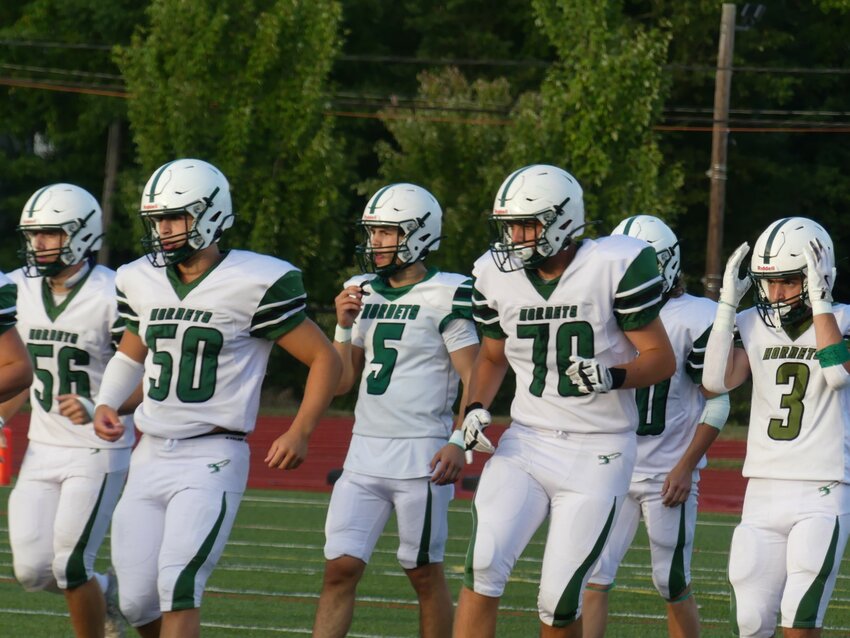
{"x": 611, "y": 286}
{"x": 799, "y": 427}
{"x": 70, "y": 343}
{"x": 208, "y": 341}
{"x": 408, "y": 385}
{"x": 8, "y": 309}
{"x": 668, "y": 412}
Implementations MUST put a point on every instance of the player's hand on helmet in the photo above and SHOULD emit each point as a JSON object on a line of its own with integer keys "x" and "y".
{"x": 735, "y": 287}
{"x": 107, "y": 425}
{"x": 590, "y": 376}
{"x": 348, "y": 304}
{"x": 475, "y": 422}
{"x": 79, "y": 410}
{"x": 819, "y": 277}
{"x": 447, "y": 464}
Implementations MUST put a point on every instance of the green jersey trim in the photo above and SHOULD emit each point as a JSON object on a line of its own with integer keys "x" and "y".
{"x": 486, "y": 317}
{"x": 461, "y": 305}
{"x": 126, "y": 313}
{"x": 796, "y": 330}
{"x": 281, "y": 309}
{"x": 53, "y": 311}
{"x": 544, "y": 287}
{"x": 696, "y": 359}
{"x": 8, "y": 307}
{"x": 639, "y": 297}
{"x": 383, "y": 288}
{"x": 183, "y": 289}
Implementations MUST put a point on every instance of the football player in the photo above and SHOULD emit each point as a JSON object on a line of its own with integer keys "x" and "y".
{"x": 406, "y": 332}
{"x": 786, "y": 551}
{"x": 676, "y": 426}
{"x": 577, "y": 320}
{"x": 201, "y": 323}
{"x": 70, "y": 480}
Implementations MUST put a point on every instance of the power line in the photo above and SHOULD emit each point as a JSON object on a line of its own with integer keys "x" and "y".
{"x": 55, "y": 71}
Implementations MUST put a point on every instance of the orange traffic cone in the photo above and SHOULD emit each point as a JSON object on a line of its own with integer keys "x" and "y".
{"x": 5, "y": 456}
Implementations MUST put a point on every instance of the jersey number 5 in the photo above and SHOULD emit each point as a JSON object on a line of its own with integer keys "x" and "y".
{"x": 198, "y": 366}
{"x": 383, "y": 355}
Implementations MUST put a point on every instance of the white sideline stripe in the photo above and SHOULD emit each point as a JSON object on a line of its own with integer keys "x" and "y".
{"x": 34, "y": 612}
{"x": 287, "y": 630}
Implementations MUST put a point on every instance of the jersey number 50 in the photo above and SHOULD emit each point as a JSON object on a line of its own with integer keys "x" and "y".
{"x": 198, "y": 366}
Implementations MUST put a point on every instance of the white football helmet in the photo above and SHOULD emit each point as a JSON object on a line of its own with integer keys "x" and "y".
{"x": 543, "y": 193}
{"x": 658, "y": 235}
{"x": 419, "y": 218}
{"x": 778, "y": 253}
{"x": 185, "y": 186}
{"x": 66, "y": 208}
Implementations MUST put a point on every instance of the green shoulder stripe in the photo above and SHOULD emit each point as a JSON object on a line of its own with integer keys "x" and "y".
{"x": 461, "y": 305}
{"x": 281, "y": 309}
{"x": 486, "y": 317}
{"x": 8, "y": 306}
{"x": 639, "y": 296}
{"x": 126, "y": 312}
{"x": 696, "y": 359}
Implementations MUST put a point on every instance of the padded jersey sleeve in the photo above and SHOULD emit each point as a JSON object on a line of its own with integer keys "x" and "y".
{"x": 282, "y": 308}
{"x": 639, "y": 299}
{"x": 8, "y": 304}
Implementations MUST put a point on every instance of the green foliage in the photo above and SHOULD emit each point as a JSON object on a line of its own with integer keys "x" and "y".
{"x": 242, "y": 84}
{"x": 594, "y": 112}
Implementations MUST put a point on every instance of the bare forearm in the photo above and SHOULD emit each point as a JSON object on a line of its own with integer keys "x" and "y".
{"x": 648, "y": 368}
{"x": 704, "y": 436}
{"x": 322, "y": 381}
{"x": 348, "y": 372}
{"x": 10, "y": 407}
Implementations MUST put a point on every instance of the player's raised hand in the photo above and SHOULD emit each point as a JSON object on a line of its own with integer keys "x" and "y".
{"x": 107, "y": 425}
{"x": 474, "y": 423}
{"x": 288, "y": 451}
{"x": 79, "y": 409}
{"x": 819, "y": 277}
{"x": 590, "y": 375}
{"x": 735, "y": 287}
{"x": 447, "y": 464}
{"x": 348, "y": 304}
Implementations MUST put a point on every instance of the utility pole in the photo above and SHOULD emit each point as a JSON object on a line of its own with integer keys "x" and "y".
{"x": 113, "y": 150}
{"x": 719, "y": 136}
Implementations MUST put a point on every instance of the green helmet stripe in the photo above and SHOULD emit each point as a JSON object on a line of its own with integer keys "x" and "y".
{"x": 156, "y": 180}
{"x": 377, "y": 197}
{"x": 504, "y": 196}
{"x": 629, "y": 223}
{"x": 769, "y": 245}
{"x": 35, "y": 199}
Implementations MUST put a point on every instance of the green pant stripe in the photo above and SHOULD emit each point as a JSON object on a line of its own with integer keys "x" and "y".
{"x": 468, "y": 575}
{"x": 75, "y": 569}
{"x": 676, "y": 582}
{"x": 567, "y": 608}
{"x": 807, "y": 612}
{"x": 424, "y": 557}
{"x": 184, "y": 588}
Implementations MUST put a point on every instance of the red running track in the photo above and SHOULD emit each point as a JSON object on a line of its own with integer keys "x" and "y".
{"x": 720, "y": 490}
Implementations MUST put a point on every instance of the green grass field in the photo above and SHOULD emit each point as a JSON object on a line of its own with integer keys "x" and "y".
{"x": 268, "y": 580}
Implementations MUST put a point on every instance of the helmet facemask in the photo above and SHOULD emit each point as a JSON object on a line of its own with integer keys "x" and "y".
{"x": 777, "y": 314}
{"x": 410, "y": 246}
{"x": 61, "y": 208}
{"x": 190, "y": 241}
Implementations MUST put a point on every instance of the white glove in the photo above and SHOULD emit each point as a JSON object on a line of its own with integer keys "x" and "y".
{"x": 474, "y": 424}
{"x": 734, "y": 287}
{"x": 819, "y": 277}
{"x": 590, "y": 375}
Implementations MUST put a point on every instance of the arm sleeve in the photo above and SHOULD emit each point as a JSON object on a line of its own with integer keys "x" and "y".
{"x": 639, "y": 297}
{"x": 281, "y": 309}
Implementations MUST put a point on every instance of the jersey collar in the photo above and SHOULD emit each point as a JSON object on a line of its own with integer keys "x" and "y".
{"x": 181, "y": 289}
{"x": 53, "y": 309}
{"x": 383, "y": 288}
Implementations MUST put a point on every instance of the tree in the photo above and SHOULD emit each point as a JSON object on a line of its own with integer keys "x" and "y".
{"x": 242, "y": 83}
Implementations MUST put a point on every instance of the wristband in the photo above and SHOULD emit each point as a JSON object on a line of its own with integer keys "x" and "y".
{"x": 473, "y": 406}
{"x": 716, "y": 411}
{"x": 835, "y": 355}
{"x": 457, "y": 439}
{"x": 342, "y": 335}
{"x": 2, "y": 422}
{"x": 618, "y": 377}
{"x": 88, "y": 406}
